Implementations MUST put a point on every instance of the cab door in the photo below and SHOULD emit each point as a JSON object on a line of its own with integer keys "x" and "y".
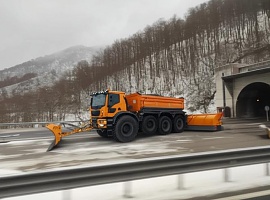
{"x": 116, "y": 103}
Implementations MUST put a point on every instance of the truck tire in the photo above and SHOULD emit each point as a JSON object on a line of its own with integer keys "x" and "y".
{"x": 178, "y": 124}
{"x": 126, "y": 129}
{"x": 102, "y": 133}
{"x": 149, "y": 125}
{"x": 165, "y": 125}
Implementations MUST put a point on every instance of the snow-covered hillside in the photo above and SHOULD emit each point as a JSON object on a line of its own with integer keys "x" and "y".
{"x": 48, "y": 69}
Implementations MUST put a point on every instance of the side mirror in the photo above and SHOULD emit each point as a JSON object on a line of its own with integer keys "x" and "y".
{"x": 90, "y": 101}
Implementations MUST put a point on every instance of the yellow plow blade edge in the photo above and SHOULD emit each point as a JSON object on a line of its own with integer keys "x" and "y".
{"x": 57, "y": 131}
{"x": 207, "y": 122}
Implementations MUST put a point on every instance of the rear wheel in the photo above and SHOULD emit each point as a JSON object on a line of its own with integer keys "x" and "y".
{"x": 178, "y": 124}
{"x": 165, "y": 125}
{"x": 126, "y": 129}
{"x": 149, "y": 125}
{"x": 103, "y": 133}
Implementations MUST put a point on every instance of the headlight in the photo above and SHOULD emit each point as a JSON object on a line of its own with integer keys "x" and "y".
{"x": 102, "y": 123}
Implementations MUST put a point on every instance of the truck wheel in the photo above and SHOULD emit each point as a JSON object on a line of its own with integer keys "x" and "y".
{"x": 102, "y": 133}
{"x": 165, "y": 125}
{"x": 149, "y": 125}
{"x": 126, "y": 129}
{"x": 178, "y": 124}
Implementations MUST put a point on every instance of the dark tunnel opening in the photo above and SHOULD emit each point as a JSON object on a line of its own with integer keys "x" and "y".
{"x": 252, "y": 100}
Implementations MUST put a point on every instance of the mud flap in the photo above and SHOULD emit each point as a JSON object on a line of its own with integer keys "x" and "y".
{"x": 56, "y": 130}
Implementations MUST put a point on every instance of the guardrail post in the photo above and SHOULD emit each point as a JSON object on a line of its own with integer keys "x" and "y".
{"x": 227, "y": 175}
{"x": 127, "y": 189}
{"x": 180, "y": 181}
{"x": 267, "y": 169}
{"x": 66, "y": 194}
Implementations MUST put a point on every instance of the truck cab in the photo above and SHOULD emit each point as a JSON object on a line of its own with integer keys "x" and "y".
{"x": 105, "y": 106}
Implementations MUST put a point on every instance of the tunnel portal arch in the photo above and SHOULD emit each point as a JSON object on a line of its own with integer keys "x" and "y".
{"x": 252, "y": 100}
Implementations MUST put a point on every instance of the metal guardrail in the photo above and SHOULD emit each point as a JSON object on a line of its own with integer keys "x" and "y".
{"x": 31, "y": 123}
{"x": 31, "y": 183}
{"x": 255, "y": 66}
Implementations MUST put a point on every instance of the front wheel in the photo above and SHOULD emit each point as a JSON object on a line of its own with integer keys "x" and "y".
{"x": 126, "y": 129}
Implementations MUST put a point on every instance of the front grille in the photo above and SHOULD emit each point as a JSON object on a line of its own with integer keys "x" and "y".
{"x": 94, "y": 123}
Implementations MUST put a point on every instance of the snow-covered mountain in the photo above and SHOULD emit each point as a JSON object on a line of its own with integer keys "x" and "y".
{"x": 43, "y": 70}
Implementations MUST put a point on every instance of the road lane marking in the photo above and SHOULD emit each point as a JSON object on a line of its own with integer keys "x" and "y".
{"x": 254, "y": 124}
{"x": 184, "y": 141}
{"x": 7, "y": 136}
{"x": 212, "y": 138}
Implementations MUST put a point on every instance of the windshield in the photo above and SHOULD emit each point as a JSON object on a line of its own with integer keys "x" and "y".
{"x": 98, "y": 100}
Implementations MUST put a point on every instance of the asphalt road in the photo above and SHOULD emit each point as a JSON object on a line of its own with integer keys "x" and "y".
{"x": 25, "y": 149}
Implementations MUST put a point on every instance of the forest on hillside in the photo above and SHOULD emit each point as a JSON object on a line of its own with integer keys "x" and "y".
{"x": 15, "y": 79}
{"x": 176, "y": 57}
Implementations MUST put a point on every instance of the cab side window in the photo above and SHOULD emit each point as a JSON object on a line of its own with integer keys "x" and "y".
{"x": 113, "y": 99}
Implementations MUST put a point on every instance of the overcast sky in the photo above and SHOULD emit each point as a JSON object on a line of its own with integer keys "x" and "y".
{"x": 33, "y": 28}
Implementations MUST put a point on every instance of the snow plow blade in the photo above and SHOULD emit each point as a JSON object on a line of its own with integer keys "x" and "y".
{"x": 205, "y": 122}
{"x": 57, "y": 131}
{"x": 58, "y": 134}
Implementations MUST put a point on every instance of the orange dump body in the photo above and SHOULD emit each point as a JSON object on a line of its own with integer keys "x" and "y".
{"x": 138, "y": 101}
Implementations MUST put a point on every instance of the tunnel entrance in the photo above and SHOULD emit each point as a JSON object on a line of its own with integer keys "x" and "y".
{"x": 252, "y": 100}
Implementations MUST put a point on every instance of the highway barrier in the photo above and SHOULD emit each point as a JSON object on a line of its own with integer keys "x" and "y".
{"x": 64, "y": 179}
{"x": 34, "y": 124}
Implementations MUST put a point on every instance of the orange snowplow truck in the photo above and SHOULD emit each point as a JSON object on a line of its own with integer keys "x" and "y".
{"x": 120, "y": 116}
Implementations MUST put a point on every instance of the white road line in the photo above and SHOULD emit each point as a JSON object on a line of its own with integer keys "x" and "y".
{"x": 7, "y": 136}
{"x": 45, "y": 138}
{"x": 254, "y": 124}
{"x": 213, "y": 138}
{"x": 184, "y": 141}
{"x": 246, "y": 196}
